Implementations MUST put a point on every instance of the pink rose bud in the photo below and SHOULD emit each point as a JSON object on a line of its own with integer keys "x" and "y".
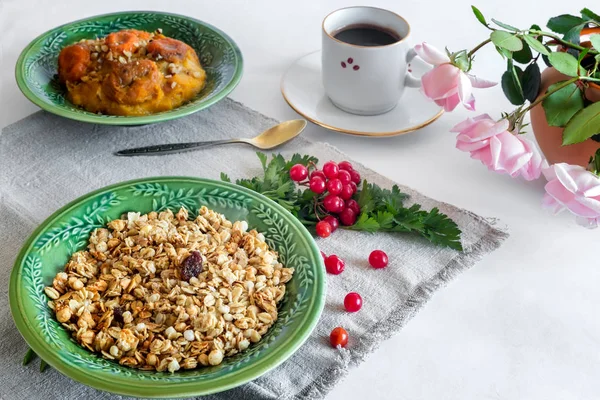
{"x": 446, "y": 84}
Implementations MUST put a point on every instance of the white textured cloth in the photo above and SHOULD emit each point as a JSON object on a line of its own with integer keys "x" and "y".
{"x": 47, "y": 161}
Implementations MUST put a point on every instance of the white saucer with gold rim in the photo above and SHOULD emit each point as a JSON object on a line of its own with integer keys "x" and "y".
{"x": 302, "y": 88}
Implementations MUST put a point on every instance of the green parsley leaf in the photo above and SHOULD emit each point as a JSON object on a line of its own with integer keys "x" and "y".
{"x": 225, "y": 177}
{"x": 365, "y": 223}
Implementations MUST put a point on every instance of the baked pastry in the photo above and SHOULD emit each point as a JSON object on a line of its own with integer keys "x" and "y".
{"x": 130, "y": 72}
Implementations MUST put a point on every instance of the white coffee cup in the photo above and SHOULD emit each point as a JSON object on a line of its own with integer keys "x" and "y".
{"x": 366, "y": 80}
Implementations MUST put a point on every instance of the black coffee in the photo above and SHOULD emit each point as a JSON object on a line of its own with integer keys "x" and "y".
{"x": 367, "y": 35}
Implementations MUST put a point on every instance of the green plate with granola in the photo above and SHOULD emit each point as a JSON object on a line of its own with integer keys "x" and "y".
{"x": 168, "y": 287}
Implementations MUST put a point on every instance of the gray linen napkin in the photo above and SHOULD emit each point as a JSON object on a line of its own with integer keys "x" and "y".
{"x": 47, "y": 161}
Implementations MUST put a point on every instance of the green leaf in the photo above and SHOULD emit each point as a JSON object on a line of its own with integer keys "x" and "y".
{"x": 590, "y": 15}
{"x": 300, "y": 159}
{"x": 365, "y": 198}
{"x": 595, "y": 39}
{"x": 564, "y": 23}
{"x": 385, "y": 219}
{"x": 442, "y": 230}
{"x": 537, "y": 28}
{"x": 224, "y": 177}
{"x": 582, "y": 55}
{"x": 511, "y": 89}
{"x": 511, "y": 84}
{"x": 461, "y": 60}
{"x": 595, "y": 161}
{"x": 506, "y": 40}
{"x": 365, "y": 223}
{"x": 561, "y": 105}
{"x": 479, "y": 16}
{"x": 564, "y": 63}
{"x": 573, "y": 36}
{"x": 532, "y": 80}
{"x": 29, "y": 356}
{"x": 504, "y": 53}
{"x": 263, "y": 159}
{"x": 546, "y": 60}
{"x": 583, "y": 125}
{"x": 536, "y": 45}
{"x": 43, "y": 365}
{"x": 505, "y": 26}
{"x": 524, "y": 55}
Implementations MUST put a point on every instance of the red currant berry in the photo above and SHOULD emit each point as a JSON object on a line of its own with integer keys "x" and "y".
{"x": 344, "y": 177}
{"x": 333, "y": 221}
{"x": 317, "y": 184}
{"x": 318, "y": 173}
{"x": 353, "y": 205}
{"x": 323, "y": 229}
{"x": 334, "y": 265}
{"x": 338, "y": 337}
{"x": 347, "y": 192}
{"x": 333, "y": 203}
{"x": 330, "y": 169}
{"x": 378, "y": 259}
{"x": 348, "y": 217}
{"x": 298, "y": 172}
{"x": 353, "y": 302}
{"x": 346, "y": 166}
{"x": 334, "y": 186}
{"x": 355, "y": 177}
{"x": 354, "y": 187}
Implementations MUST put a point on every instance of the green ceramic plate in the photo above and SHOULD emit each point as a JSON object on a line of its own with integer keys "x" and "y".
{"x": 67, "y": 230}
{"x": 37, "y": 65}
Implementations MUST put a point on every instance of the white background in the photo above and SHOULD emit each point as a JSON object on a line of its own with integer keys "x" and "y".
{"x": 520, "y": 324}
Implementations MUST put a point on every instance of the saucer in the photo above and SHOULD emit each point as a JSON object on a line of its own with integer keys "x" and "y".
{"x": 302, "y": 89}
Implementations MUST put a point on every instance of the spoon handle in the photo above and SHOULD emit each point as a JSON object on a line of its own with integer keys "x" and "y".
{"x": 172, "y": 148}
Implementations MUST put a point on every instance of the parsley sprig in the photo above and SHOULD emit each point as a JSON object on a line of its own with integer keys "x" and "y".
{"x": 382, "y": 210}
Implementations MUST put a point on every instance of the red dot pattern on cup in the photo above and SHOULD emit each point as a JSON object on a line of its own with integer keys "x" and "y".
{"x": 350, "y": 60}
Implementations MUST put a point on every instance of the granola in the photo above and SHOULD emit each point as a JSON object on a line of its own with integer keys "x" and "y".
{"x": 162, "y": 292}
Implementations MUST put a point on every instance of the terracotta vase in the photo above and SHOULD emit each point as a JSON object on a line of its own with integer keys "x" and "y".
{"x": 548, "y": 137}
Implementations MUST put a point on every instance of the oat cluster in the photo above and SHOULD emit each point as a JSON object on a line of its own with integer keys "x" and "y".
{"x": 162, "y": 292}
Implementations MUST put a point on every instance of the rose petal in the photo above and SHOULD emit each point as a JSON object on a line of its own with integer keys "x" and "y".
{"x": 549, "y": 204}
{"x": 441, "y": 82}
{"x": 563, "y": 174}
{"x": 449, "y": 103}
{"x": 555, "y": 189}
{"x": 593, "y": 191}
{"x": 470, "y": 121}
{"x": 470, "y": 103}
{"x": 592, "y": 205}
{"x": 430, "y": 54}
{"x": 464, "y": 87}
{"x": 480, "y": 83}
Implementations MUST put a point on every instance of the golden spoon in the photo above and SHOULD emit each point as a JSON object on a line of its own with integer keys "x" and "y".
{"x": 269, "y": 139}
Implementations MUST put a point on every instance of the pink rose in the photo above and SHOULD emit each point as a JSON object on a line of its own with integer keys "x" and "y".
{"x": 574, "y": 188}
{"x": 500, "y": 150}
{"x": 446, "y": 84}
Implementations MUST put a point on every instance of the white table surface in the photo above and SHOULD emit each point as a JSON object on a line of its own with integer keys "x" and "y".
{"x": 520, "y": 324}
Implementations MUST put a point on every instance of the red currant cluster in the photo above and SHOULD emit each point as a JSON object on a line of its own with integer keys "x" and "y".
{"x": 353, "y": 301}
{"x": 334, "y": 185}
